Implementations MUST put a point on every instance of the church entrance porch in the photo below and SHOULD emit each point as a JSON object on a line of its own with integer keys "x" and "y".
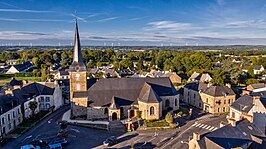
{"x": 114, "y": 116}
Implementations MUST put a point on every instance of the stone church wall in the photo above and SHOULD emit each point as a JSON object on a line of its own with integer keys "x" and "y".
{"x": 96, "y": 113}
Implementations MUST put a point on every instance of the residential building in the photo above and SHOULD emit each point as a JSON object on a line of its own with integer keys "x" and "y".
{"x": 20, "y": 68}
{"x": 210, "y": 98}
{"x": 47, "y": 94}
{"x": 217, "y": 99}
{"x": 241, "y": 134}
{"x": 62, "y": 74}
{"x": 200, "y": 77}
{"x": 250, "y": 108}
{"x": 257, "y": 69}
{"x": 12, "y": 62}
{"x": 173, "y": 77}
{"x": 10, "y": 114}
{"x": 191, "y": 93}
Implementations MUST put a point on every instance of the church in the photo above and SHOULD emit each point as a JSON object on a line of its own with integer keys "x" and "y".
{"x": 117, "y": 98}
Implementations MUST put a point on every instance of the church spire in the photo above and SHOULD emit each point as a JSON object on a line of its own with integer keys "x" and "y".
{"x": 77, "y": 57}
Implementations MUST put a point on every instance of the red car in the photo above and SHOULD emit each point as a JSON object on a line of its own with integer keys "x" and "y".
{"x": 62, "y": 134}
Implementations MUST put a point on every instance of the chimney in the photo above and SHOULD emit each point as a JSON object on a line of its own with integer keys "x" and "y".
{"x": 209, "y": 85}
{"x": 55, "y": 83}
{"x": 228, "y": 85}
{"x": 254, "y": 98}
{"x": 196, "y": 136}
{"x": 232, "y": 122}
{"x": 24, "y": 82}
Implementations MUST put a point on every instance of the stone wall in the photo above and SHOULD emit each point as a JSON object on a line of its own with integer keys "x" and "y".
{"x": 81, "y": 80}
{"x": 79, "y": 106}
{"x": 173, "y": 102}
{"x": 145, "y": 110}
{"x": 193, "y": 98}
{"x": 96, "y": 113}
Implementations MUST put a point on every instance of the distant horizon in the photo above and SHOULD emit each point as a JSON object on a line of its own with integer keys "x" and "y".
{"x": 134, "y": 23}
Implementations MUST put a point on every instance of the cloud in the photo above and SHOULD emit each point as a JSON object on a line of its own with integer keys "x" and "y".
{"x": 168, "y": 25}
{"x": 107, "y": 19}
{"x": 31, "y": 20}
{"x": 138, "y": 18}
{"x": 25, "y": 11}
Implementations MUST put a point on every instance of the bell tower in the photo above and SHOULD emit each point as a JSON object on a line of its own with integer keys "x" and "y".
{"x": 78, "y": 76}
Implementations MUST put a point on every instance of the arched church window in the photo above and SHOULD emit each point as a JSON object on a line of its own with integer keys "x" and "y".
{"x": 151, "y": 110}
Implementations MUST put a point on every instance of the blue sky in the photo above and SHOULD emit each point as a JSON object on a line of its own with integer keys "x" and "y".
{"x": 133, "y": 22}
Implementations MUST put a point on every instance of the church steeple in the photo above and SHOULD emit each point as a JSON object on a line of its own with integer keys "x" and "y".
{"x": 77, "y": 57}
{"x": 78, "y": 64}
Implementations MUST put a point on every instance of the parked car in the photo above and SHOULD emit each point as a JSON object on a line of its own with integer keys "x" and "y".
{"x": 62, "y": 134}
{"x": 61, "y": 141}
{"x": 30, "y": 146}
{"x": 39, "y": 143}
{"x": 110, "y": 141}
{"x": 55, "y": 146}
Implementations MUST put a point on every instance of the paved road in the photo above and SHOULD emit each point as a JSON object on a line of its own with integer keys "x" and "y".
{"x": 82, "y": 138}
{"x": 47, "y": 127}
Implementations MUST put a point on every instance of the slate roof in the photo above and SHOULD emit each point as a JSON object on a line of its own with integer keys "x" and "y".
{"x": 196, "y": 86}
{"x": 148, "y": 95}
{"x": 199, "y": 76}
{"x": 256, "y": 86}
{"x": 129, "y": 89}
{"x": 93, "y": 70}
{"x": 217, "y": 91}
{"x": 64, "y": 73}
{"x": 7, "y": 102}
{"x": 231, "y": 136}
{"x": 15, "y": 82}
{"x": 262, "y": 93}
{"x": 243, "y": 103}
{"x": 30, "y": 90}
{"x": 23, "y": 66}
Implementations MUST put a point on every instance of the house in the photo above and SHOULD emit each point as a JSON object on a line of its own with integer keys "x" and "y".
{"x": 237, "y": 60}
{"x": 20, "y": 68}
{"x": 252, "y": 87}
{"x": 200, "y": 77}
{"x": 3, "y": 66}
{"x": 12, "y": 62}
{"x": 241, "y": 134}
{"x": 210, "y": 98}
{"x": 251, "y": 108}
{"x": 173, "y": 77}
{"x": 47, "y": 95}
{"x": 191, "y": 93}
{"x": 107, "y": 72}
{"x": 10, "y": 114}
{"x": 63, "y": 74}
{"x": 257, "y": 69}
{"x": 117, "y": 98}
{"x": 155, "y": 73}
{"x": 217, "y": 99}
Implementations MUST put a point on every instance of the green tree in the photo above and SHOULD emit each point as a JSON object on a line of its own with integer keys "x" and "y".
{"x": 169, "y": 118}
{"x": 33, "y": 106}
{"x": 139, "y": 113}
{"x": 250, "y": 72}
{"x": 252, "y": 81}
{"x": 44, "y": 74}
{"x": 125, "y": 63}
{"x": 35, "y": 61}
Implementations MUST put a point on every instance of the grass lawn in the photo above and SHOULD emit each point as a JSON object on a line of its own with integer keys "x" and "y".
{"x": 156, "y": 123}
{"x": 6, "y": 78}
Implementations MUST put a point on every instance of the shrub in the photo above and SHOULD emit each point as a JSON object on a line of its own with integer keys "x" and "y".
{"x": 169, "y": 118}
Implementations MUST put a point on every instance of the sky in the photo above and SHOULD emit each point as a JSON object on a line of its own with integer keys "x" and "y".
{"x": 133, "y": 22}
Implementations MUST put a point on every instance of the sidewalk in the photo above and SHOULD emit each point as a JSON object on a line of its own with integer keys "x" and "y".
{"x": 66, "y": 117}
